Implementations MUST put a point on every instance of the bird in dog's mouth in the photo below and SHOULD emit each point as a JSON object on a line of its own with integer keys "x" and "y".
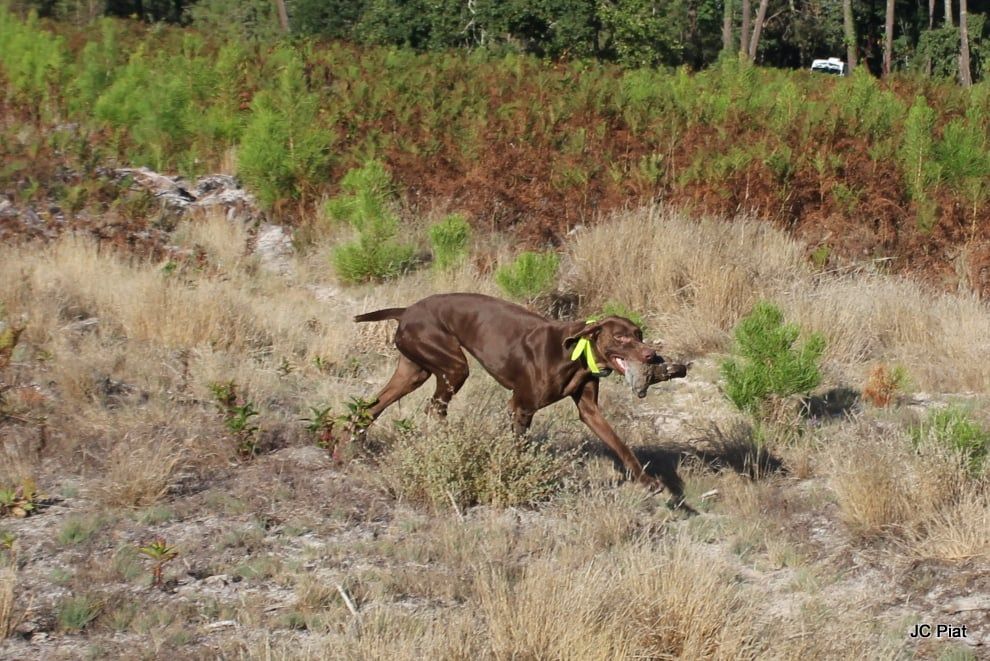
{"x": 640, "y": 376}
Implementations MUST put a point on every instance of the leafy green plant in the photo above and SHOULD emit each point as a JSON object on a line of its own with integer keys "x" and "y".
{"x": 768, "y": 360}
{"x": 358, "y": 415}
{"x": 821, "y": 255}
{"x": 160, "y": 554}
{"x": 953, "y": 427}
{"x": 19, "y": 501}
{"x": 322, "y": 423}
{"x": 529, "y": 275}
{"x": 449, "y": 239}
{"x": 237, "y": 412}
{"x": 320, "y": 426}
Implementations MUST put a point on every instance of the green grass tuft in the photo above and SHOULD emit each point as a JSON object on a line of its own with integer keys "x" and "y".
{"x": 953, "y": 427}
{"x": 529, "y": 275}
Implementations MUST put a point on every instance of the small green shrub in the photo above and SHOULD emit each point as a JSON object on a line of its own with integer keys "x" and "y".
{"x": 95, "y": 68}
{"x": 364, "y": 204}
{"x": 449, "y": 239}
{"x": 767, "y": 361}
{"x": 965, "y": 161}
{"x": 19, "y": 501}
{"x": 371, "y": 258}
{"x": 472, "y": 464}
{"x": 33, "y": 60}
{"x": 366, "y": 193}
{"x": 922, "y": 172}
{"x": 529, "y": 275}
{"x": 953, "y": 427}
{"x": 284, "y": 151}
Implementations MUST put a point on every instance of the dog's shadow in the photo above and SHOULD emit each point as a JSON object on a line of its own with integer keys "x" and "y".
{"x": 733, "y": 450}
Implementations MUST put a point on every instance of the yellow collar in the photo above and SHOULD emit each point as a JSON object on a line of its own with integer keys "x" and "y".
{"x": 583, "y": 347}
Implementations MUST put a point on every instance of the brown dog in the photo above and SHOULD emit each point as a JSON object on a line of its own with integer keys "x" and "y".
{"x": 532, "y": 356}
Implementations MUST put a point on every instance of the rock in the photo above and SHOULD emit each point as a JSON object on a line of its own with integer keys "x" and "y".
{"x": 217, "y": 580}
{"x": 273, "y": 246}
{"x": 210, "y": 193}
{"x": 308, "y": 456}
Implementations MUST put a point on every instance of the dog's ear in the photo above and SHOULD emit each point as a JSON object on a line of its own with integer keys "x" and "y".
{"x": 590, "y": 332}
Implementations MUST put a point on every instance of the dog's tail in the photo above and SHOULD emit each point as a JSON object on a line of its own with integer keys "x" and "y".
{"x": 380, "y": 315}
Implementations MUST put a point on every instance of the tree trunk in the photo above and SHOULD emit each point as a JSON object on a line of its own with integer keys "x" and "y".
{"x": 283, "y": 15}
{"x": 948, "y": 13}
{"x": 727, "y": 40}
{"x": 888, "y": 39}
{"x": 965, "y": 77}
{"x": 761, "y": 15}
{"x": 744, "y": 31}
{"x": 849, "y": 28}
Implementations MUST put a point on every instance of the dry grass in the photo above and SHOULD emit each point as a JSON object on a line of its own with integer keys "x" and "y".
{"x": 925, "y": 498}
{"x": 957, "y": 532}
{"x": 692, "y": 280}
{"x": 140, "y": 471}
{"x": 223, "y": 242}
{"x": 938, "y": 338}
{"x": 8, "y": 600}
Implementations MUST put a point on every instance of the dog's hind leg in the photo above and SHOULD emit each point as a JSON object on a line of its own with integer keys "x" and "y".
{"x": 450, "y": 377}
{"x": 442, "y": 357}
{"x": 408, "y": 376}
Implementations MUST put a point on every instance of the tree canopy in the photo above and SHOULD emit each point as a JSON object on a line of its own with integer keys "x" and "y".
{"x": 629, "y": 32}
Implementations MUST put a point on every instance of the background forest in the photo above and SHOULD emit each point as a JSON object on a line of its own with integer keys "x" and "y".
{"x": 780, "y": 33}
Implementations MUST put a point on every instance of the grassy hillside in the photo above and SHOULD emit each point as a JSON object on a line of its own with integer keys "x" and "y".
{"x": 825, "y": 529}
{"x": 854, "y": 167}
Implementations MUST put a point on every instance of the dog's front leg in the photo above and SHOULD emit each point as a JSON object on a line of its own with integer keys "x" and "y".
{"x": 591, "y": 415}
{"x": 522, "y": 415}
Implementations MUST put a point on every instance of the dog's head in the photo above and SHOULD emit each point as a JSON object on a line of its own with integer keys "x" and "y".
{"x": 619, "y": 342}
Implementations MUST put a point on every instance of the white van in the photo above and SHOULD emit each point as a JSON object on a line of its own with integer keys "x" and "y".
{"x": 832, "y": 65}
